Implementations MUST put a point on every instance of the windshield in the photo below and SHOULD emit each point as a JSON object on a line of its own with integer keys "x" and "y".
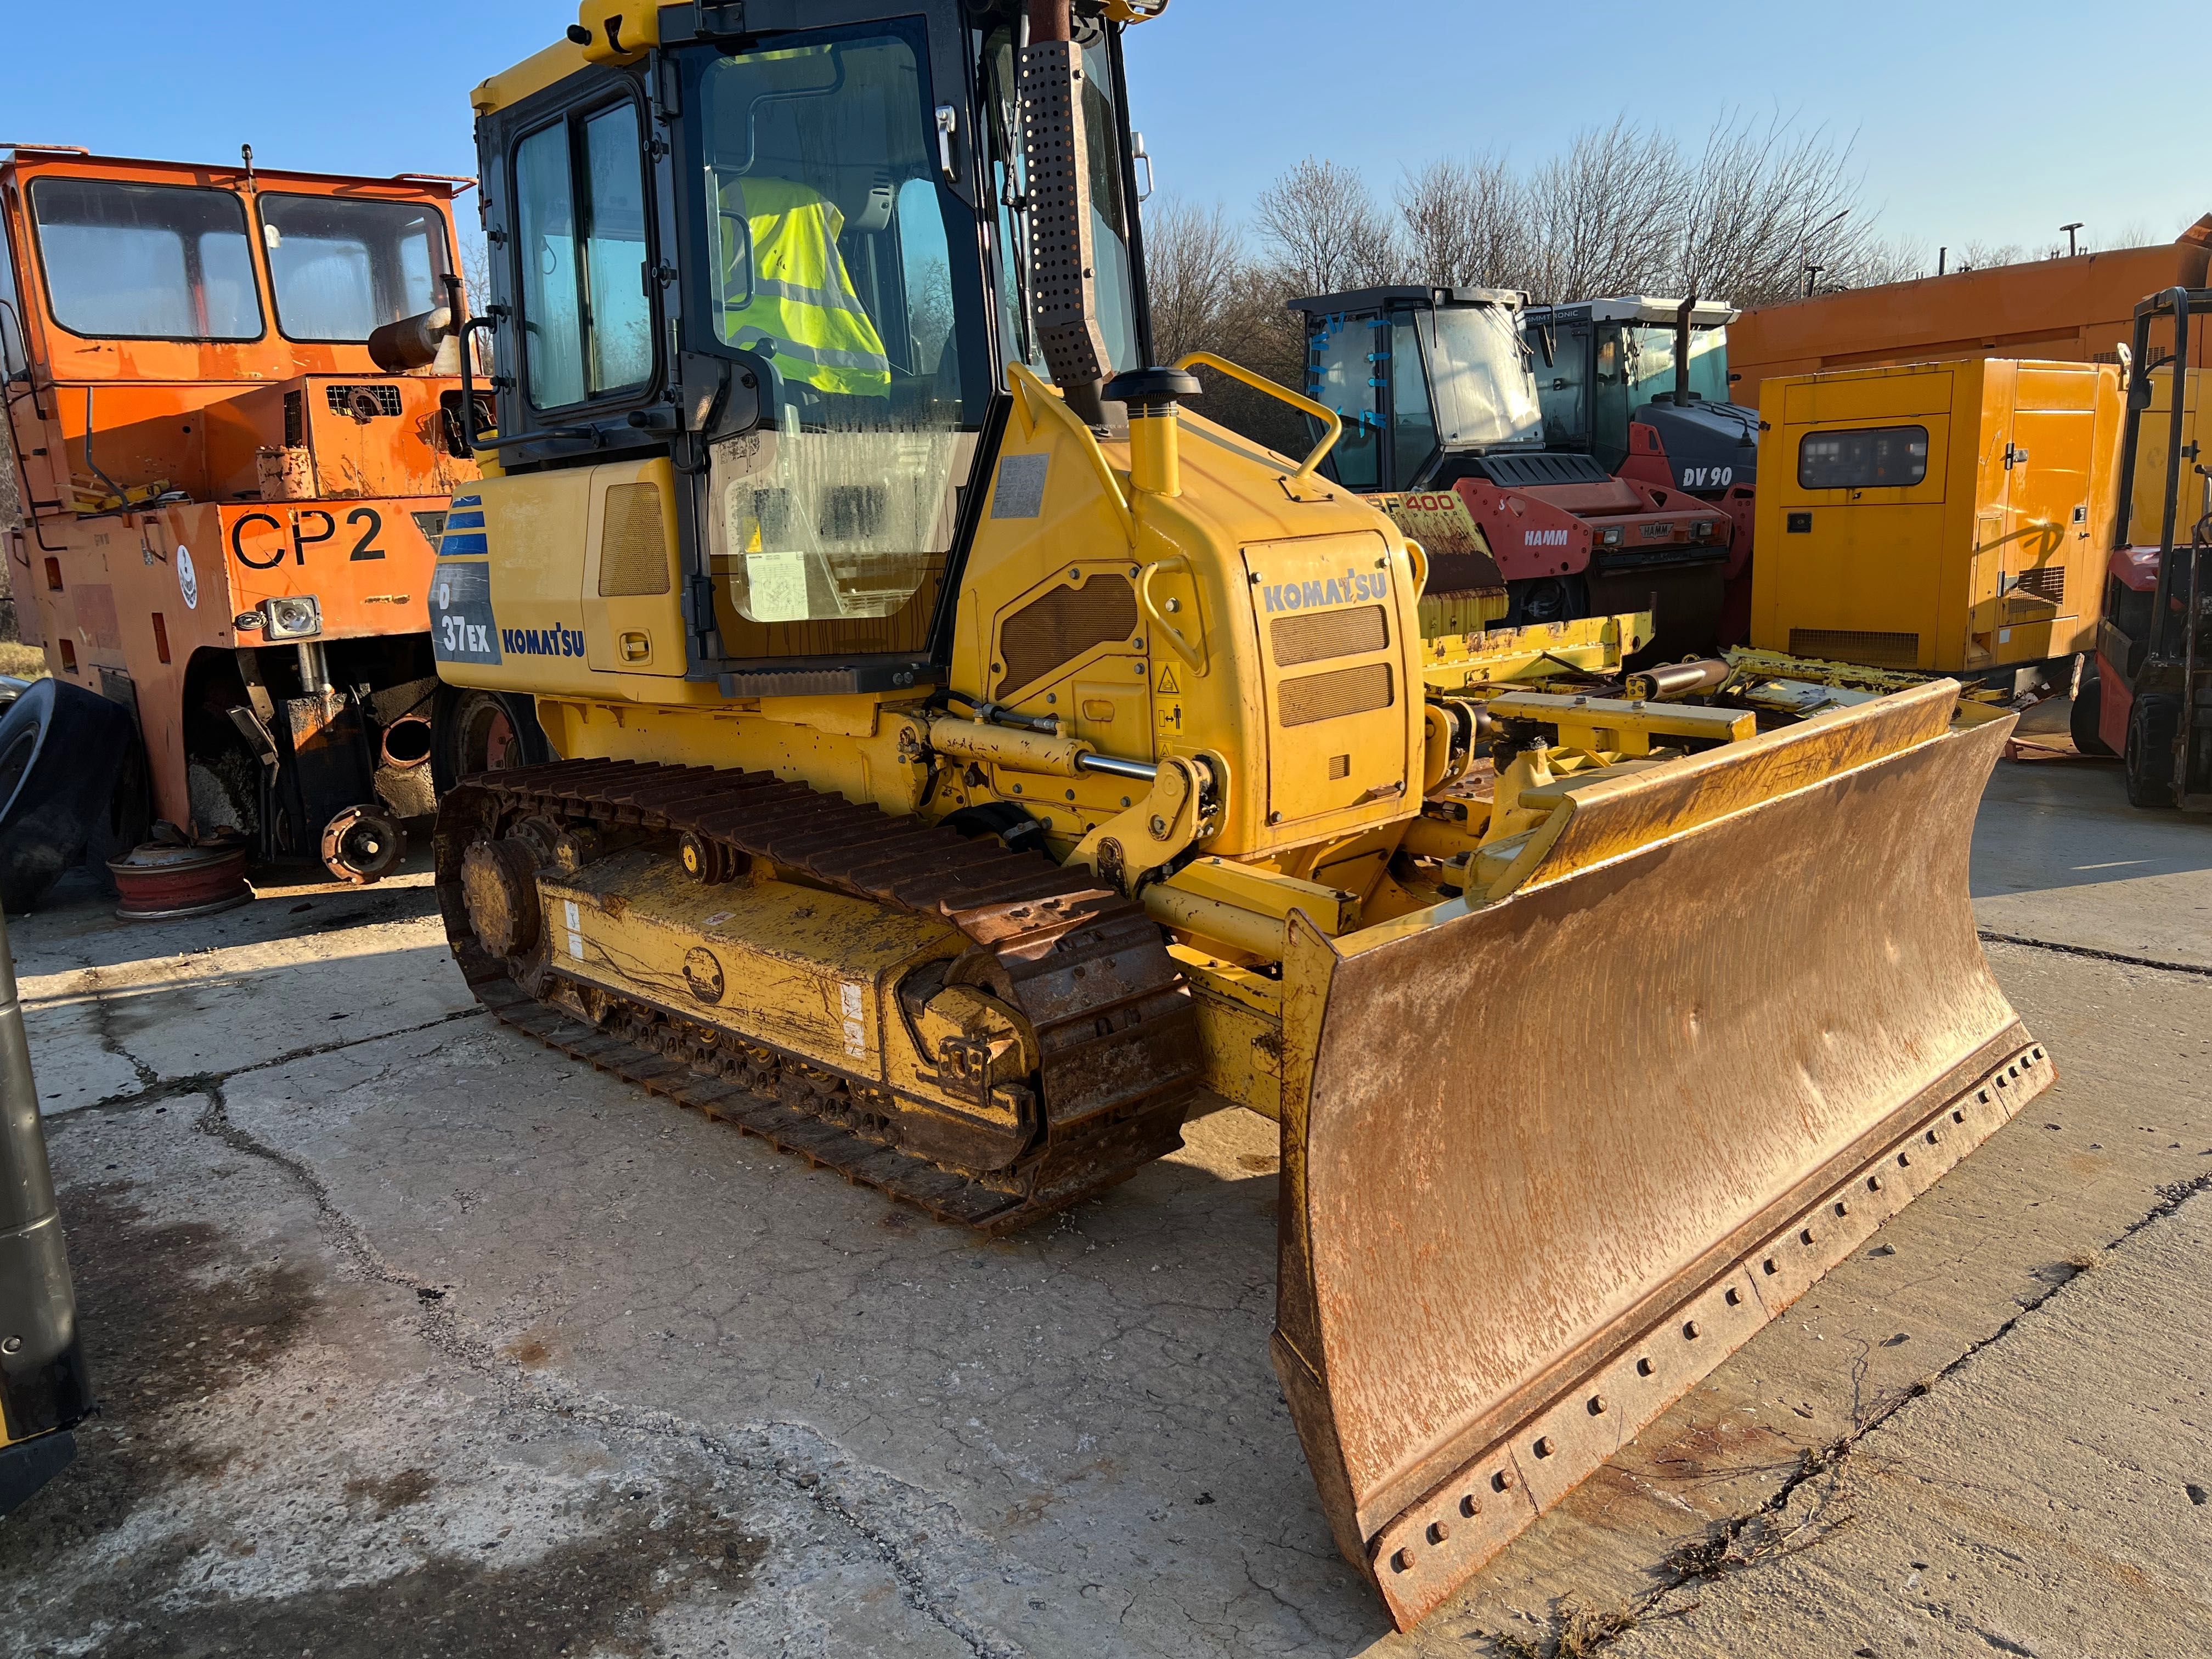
{"x": 344, "y": 269}
{"x": 142, "y": 262}
{"x": 1109, "y": 209}
{"x": 1478, "y": 375}
{"x": 1651, "y": 352}
{"x": 840, "y": 259}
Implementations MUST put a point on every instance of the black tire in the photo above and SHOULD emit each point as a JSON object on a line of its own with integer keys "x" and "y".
{"x": 67, "y": 760}
{"x": 2151, "y": 724}
{"x": 474, "y": 731}
{"x": 2088, "y": 706}
{"x": 1546, "y": 600}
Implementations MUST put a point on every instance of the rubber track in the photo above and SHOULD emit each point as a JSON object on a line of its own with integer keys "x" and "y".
{"x": 1114, "y": 1021}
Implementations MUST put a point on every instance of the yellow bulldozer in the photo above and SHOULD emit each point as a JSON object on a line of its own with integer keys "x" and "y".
{"x": 975, "y": 764}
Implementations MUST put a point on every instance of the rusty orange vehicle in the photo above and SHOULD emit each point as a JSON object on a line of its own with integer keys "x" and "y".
{"x": 2079, "y": 309}
{"x": 235, "y": 407}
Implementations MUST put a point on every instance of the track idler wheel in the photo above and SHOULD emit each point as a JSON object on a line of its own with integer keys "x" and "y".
{"x": 362, "y": 845}
{"x": 499, "y": 888}
{"x": 709, "y": 862}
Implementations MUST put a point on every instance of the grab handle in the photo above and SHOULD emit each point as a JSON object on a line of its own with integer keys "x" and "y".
{"x": 1191, "y": 652}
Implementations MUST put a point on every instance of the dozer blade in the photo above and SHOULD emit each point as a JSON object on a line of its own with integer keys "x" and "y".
{"x": 1548, "y": 1162}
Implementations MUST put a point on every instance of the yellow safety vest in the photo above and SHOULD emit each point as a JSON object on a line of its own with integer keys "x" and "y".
{"x": 799, "y": 305}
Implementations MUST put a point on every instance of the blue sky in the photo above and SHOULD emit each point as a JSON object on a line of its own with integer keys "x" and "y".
{"x": 1981, "y": 122}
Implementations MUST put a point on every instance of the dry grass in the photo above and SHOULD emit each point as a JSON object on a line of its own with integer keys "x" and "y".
{"x": 22, "y": 662}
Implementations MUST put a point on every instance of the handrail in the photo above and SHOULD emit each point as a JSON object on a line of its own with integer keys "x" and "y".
{"x": 1420, "y": 557}
{"x": 1191, "y": 652}
{"x": 1321, "y": 412}
{"x": 1034, "y": 389}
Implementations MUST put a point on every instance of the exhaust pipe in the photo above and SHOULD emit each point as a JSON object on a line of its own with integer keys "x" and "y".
{"x": 1682, "y": 350}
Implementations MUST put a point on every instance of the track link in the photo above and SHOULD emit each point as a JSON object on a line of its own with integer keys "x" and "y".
{"x": 1114, "y": 1022}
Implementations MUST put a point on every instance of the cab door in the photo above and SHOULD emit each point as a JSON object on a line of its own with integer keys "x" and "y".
{"x": 2058, "y": 473}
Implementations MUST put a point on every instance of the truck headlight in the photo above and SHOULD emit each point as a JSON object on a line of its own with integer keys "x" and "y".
{"x": 298, "y": 618}
{"x": 1611, "y": 538}
{"x": 1702, "y": 529}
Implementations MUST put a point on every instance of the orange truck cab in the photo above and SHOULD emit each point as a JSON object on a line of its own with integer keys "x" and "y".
{"x": 234, "y": 484}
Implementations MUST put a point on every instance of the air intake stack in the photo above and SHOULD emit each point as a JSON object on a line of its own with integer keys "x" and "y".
{"x": 1063, "y": 255}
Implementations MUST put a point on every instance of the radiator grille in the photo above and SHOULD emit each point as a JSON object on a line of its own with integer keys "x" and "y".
{"x": 365, "y": 400}
{"x": 2046, "y": 582}
{"x": 1329, "y": 634}
{"x": 1330, "y": 696}
{"x": 632, "y": 544}
{"x": 1870, "y": 650}
{"x": 1063, "y": 625}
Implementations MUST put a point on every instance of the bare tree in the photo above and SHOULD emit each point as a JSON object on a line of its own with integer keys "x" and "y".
{"x": 1765, "y": 205}
{"x": 1608, "y": 216}
{"x": 1194, "y": 263}
{"x": 1324, "y": 230}
{"x": 1467, "y": 224}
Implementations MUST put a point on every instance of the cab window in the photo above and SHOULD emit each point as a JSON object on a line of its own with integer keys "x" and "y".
{"x": 343, "y": 268}
{"x": 1413, "y": 421}
{"x": 839, "y": 259}
{"x": 146, "y": 262}
{"x": 1340, "y": 374}
{"x": 581, "y": 239}
{"x": 1562, "y": 380}
{"x": 1110, "y": 210}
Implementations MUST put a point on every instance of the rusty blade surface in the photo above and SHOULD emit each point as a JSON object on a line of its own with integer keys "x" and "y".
{"x": 1547, "y": 1163}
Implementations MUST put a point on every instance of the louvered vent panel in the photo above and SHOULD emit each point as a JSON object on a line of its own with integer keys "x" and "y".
{"x": 1331, "y": 697}
{"x": 2046, "y": 582}
{"x": 1852, "y": 645}
{"x": 634, "y": 560}
{"x": 1063, "y": 625}
{"x": 1327, "y": 634}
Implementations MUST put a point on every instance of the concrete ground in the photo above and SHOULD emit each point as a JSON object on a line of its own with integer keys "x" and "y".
{"x": 417, "y": 1340}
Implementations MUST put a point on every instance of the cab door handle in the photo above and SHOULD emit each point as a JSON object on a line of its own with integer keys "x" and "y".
{"x": 635, "y": 646}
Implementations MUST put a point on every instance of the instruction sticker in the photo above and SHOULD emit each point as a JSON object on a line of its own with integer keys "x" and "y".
{"x": 1020, "y": 494}
{"x": 1167, "y": 709}
{"x": 575, "y": 921}
{"x": 462, "y": 628}
{"x": 188, "y": 580}
{"x": 777, "y": 585}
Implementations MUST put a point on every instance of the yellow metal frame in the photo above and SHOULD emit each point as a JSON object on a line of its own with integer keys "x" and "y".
{"x": 1330, "y": 420}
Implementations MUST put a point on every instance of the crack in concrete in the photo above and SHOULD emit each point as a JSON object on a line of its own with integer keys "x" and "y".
{"x": 158, "y": 1088}
{"x": 1716, "y": 1555}
{"x": 103, "y": 1023}
{"x": 2094, "y": 955}
{"x": 441, "y": 1330}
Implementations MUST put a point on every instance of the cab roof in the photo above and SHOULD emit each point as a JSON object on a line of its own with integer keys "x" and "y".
{"x": 1379, "y": 299}
{"x": 1635, "y": 308}
{"x": 70, "y": 159}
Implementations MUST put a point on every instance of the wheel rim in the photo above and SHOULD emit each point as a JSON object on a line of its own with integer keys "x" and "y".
{"x": 499, "y": 742}
{"x": 488, "y": 741}
{"x": 1545, "y": 601}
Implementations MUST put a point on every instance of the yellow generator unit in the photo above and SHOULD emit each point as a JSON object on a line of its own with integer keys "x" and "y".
{"x": 1946, "y": 517}
{"x": 975, "y": 764}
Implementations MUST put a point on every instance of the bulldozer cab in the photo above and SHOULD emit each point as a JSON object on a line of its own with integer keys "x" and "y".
{"x": 767, "y": 237}
{"x": 1422, "y": 378}
{"x": 1603, "y": 364}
